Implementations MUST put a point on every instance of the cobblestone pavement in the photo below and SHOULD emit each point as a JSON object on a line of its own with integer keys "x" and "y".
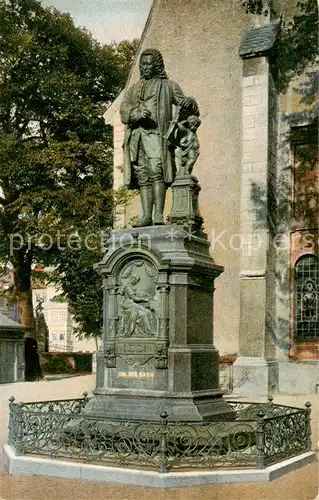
{"x": 299, "y": 485}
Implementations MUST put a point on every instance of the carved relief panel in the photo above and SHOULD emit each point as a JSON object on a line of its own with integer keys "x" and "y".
{"x": 137, "y": 325}
{"x": 137, "y": 301}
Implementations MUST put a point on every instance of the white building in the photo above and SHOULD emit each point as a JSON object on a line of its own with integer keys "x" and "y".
{"x": 61, "y": 324}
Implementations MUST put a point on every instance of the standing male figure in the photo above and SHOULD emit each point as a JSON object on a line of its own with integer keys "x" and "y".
{"x": 149, "y": 158}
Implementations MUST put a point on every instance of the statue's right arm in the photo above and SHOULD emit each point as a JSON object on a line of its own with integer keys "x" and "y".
{"x": 129, "y": 109}
{"x": 182, "y": 125}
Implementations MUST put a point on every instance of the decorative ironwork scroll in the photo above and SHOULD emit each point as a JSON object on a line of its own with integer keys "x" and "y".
{"x": 262, "y": 434}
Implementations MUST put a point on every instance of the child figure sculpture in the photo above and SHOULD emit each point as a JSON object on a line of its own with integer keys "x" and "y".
{"x": 188, "y": 144}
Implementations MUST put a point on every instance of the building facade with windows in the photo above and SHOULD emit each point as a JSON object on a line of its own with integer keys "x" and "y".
{"x": 258, "y": 170}
{"x": 304, "y": 264}
{"x": 61, "y": 324}
{"x": 12, "y": 362}
{"x": 60, "y": 321}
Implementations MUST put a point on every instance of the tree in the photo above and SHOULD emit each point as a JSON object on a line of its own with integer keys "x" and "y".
{"x": 55, "y": 149}
{"x": 75, "y": 275}
{"x": 297, "y": 47}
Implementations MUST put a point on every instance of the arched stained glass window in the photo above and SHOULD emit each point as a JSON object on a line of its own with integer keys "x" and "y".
{"x": 307, "y": 297}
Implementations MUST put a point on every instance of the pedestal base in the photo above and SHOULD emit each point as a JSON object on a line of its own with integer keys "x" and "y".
{"x": 158, "y": 353}
{"x": 255, "y": 376}
{"x": 28, "y": 465}
{"x": 203, "y": 406}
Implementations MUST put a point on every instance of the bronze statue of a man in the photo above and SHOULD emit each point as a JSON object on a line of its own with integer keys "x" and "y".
{"x": 149, "y": 157}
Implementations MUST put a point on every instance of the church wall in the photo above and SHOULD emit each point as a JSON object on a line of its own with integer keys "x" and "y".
{"x": 299, "y": 235}
{"x": 199, "y": 40}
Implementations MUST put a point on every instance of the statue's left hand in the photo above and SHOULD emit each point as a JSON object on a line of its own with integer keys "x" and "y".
{"x": 190, "y": 103}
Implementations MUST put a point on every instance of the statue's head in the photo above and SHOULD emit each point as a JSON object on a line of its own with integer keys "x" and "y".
{"x": 135, "y": 280}
{"x": 193, "y": 122}
{"x": 152, "y": 64}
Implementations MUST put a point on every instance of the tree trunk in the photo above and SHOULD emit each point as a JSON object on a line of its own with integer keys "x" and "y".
{"x": 22, "y": 285}
{"x": 25, "y": 308}
{"x": 22, "y": 261}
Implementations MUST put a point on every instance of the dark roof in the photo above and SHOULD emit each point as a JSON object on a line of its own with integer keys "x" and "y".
{"x": 259, "y": 41}
{"x": 7, "y": 323}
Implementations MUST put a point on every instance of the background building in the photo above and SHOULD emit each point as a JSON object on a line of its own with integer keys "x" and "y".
{"x": 12, "y": 365}
{"x": 60, "y": 321}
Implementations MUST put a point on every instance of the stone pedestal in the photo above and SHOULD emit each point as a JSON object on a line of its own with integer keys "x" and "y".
{"x": 185, "y": 209}
{"x": 158, "y": 351}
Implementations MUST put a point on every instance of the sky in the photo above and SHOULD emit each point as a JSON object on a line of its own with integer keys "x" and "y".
{"x": 108, "y": 20}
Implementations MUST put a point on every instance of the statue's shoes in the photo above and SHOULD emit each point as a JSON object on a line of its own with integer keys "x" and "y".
{"x": 159, "y": 220}
{"x": 143, "y": 222}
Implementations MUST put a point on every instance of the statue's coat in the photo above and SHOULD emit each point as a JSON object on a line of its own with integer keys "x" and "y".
{"x": 168, "y": 93}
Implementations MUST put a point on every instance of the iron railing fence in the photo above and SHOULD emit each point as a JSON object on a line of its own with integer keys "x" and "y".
{"x": 262, "y": 434}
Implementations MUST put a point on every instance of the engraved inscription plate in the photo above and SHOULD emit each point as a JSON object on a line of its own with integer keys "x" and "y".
{"x": 136, "y": 375}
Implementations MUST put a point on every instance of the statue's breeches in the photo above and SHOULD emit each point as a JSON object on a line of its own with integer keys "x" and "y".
{"x": 148, "y": 165}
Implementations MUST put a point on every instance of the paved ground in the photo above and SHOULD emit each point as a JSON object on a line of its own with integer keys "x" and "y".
{"x": 299, "y": 485}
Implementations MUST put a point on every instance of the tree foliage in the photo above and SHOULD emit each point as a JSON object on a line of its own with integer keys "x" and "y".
{"x": 55, "y": 149}
{"x": 74, "y": 271}
{"x": 297, "y": 47}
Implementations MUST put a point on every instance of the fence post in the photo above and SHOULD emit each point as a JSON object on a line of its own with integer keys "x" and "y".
{"x": 85, "y": 398}
{"x": 270, "y": 405}
{"x": 260, "y": 440}
{"x": 162, "y": 464}
{"x": 81, "y": 403}
{"x": 309, "y": 443}
{"x": 11, "y": 426}
{"x": 18, "y": 429}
